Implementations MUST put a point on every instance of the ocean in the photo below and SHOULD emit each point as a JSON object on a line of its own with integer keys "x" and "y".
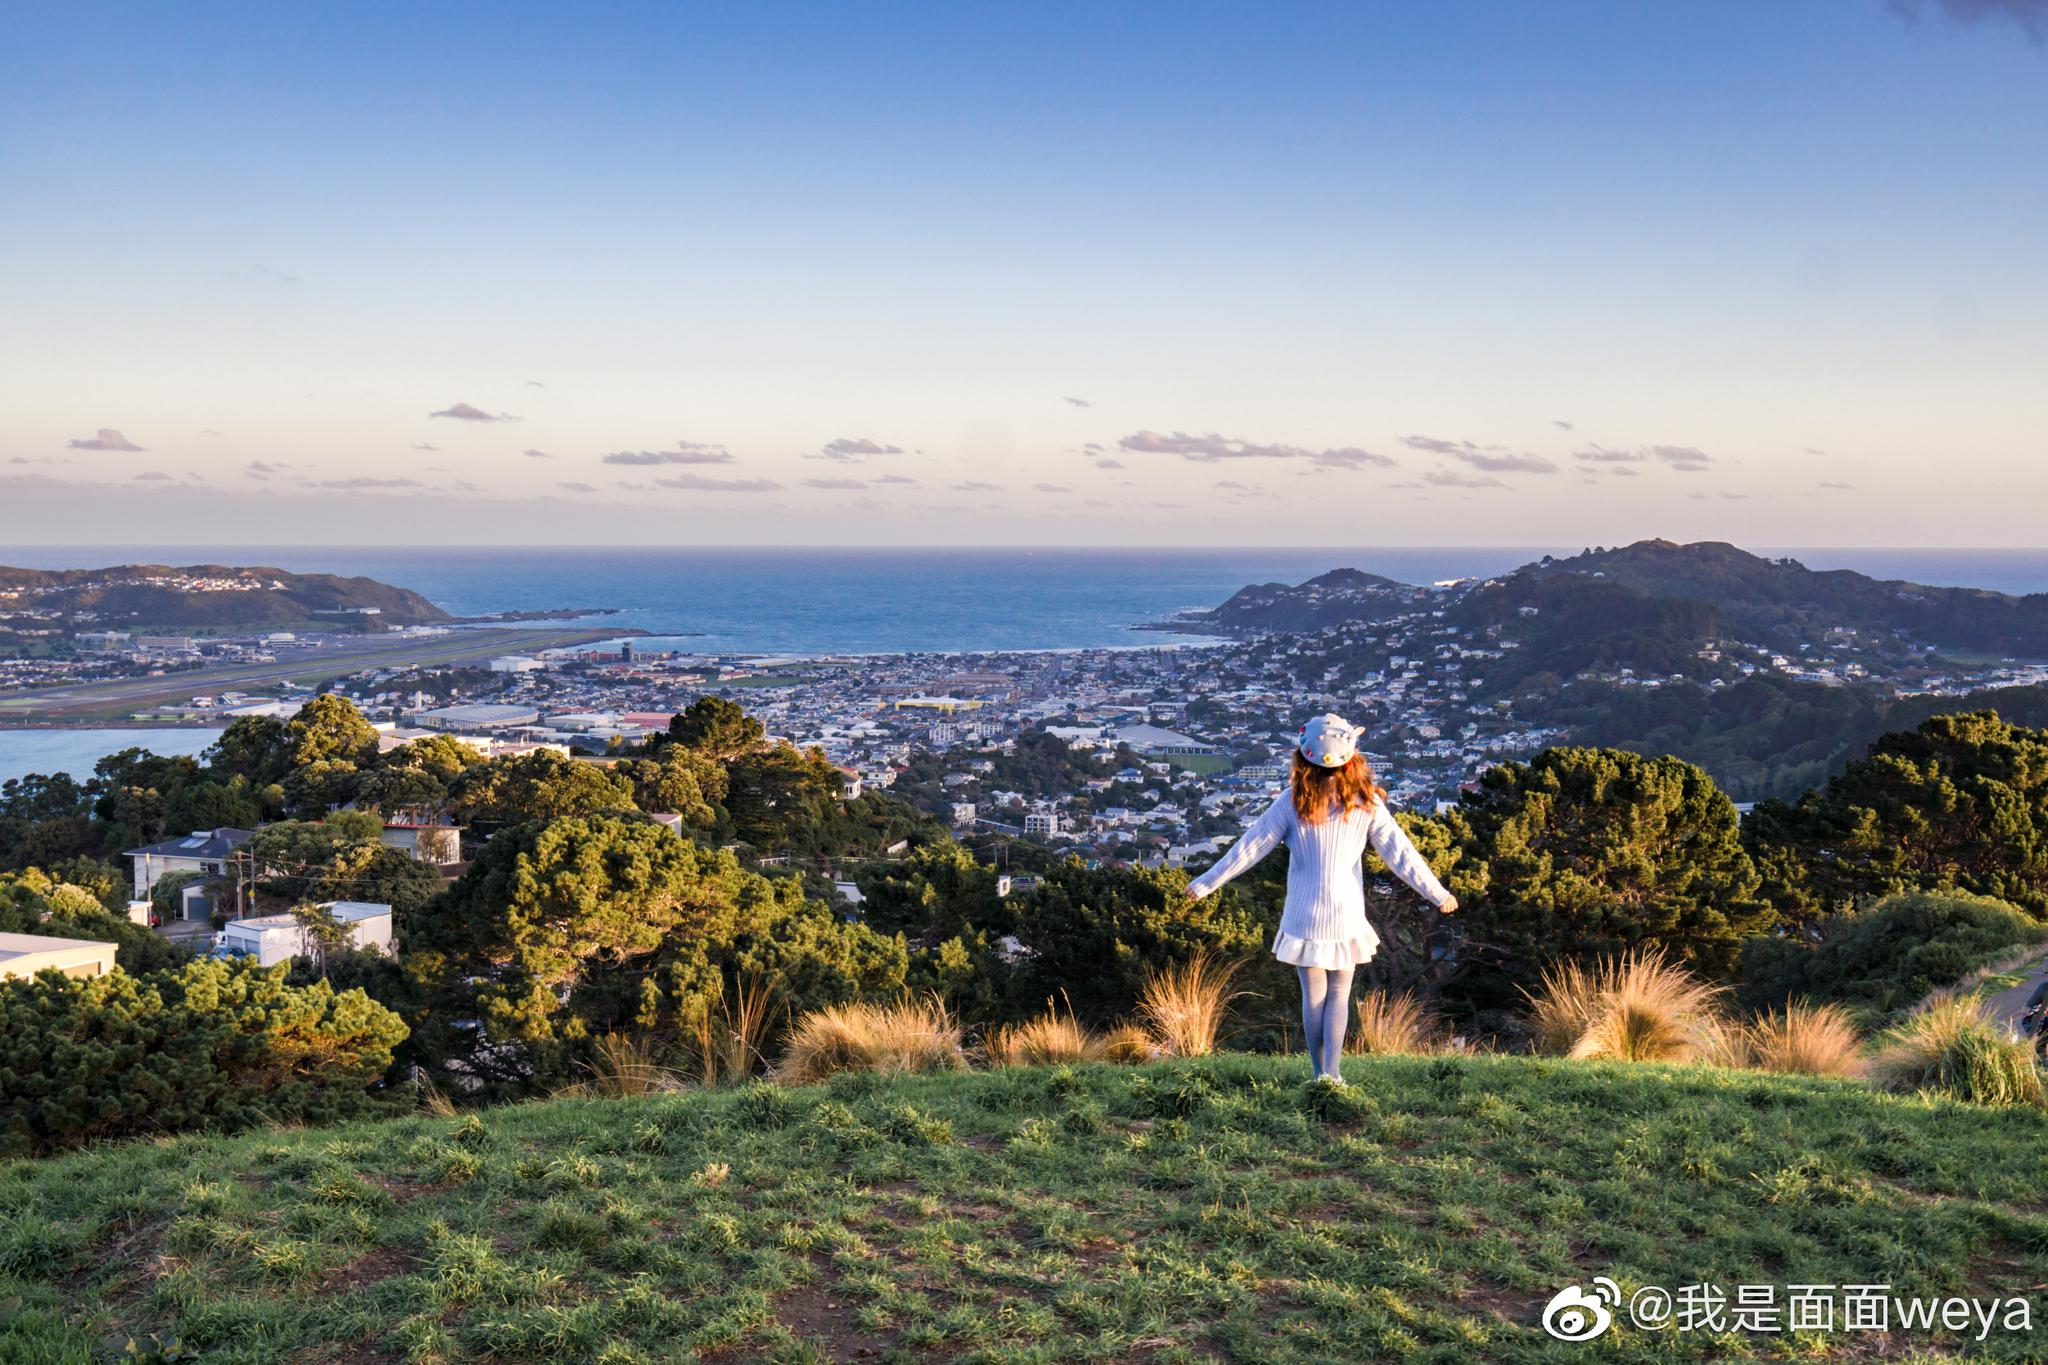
{"x": 865, "y": 601}
{"x": 76, "y": 751}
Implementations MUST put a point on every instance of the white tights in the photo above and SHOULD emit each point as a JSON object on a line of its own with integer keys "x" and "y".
{"x": 1325, "y": 1015}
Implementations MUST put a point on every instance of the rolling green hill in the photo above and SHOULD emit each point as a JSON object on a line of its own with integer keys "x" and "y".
{"x": 1173, "y": 1212}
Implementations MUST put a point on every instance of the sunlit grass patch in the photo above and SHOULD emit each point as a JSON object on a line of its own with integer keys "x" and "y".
{"x": 1192, "y": 1209}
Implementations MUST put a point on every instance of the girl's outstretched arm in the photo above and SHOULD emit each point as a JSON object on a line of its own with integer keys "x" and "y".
{"x": 1402, "y": 858}
{"x": 1265, "y": 835}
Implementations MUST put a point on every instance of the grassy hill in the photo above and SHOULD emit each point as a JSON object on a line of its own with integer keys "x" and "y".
{"x": 1179, "y": 1211}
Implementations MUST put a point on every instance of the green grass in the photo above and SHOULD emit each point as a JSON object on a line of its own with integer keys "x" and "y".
{"x": 784, "y": 676}
{"x": 1202, "y": 764}
{"x": 1177, "y": 1212}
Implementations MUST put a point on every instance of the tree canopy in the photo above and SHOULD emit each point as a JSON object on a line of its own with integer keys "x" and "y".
{"x": 1586, "y": 851}
{"x": 1960, "y": 800}
{"x": 541, "y": 785}
{"x": 716, "y": 728}
{"x": 566, "y": 929}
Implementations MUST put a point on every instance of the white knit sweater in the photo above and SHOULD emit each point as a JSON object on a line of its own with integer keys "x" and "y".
{"x": 1324, "y": 921}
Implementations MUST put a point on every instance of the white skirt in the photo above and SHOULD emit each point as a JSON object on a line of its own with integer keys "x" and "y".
{"x": 1331, "y": 954}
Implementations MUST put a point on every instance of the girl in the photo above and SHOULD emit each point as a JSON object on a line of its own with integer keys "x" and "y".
{"x": 1331, "y": 810}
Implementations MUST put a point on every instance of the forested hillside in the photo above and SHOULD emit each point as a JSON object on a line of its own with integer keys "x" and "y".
{"x": 1761, "y": 597}
{"x": 199, "y": 596}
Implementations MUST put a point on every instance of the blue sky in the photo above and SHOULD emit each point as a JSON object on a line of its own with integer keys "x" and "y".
{"x": 1326, "y": 273}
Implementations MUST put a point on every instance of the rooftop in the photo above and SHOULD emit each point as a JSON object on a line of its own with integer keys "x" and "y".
{"x": 200, "y": 843}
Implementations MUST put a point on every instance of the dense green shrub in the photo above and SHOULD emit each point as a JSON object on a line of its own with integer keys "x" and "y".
{"x": 1583, "y": 852}
{"x": 1086, "y": 936}
{"x": 1888, "y": 955}
{"x": 565, "y": 930}
{"x": 32, "y": 902}
{"x": 1961, "y": 801}
{"x": 212, "y": 1045}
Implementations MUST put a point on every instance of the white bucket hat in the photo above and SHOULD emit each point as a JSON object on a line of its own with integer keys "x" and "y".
{"x": 1329, "y": 741}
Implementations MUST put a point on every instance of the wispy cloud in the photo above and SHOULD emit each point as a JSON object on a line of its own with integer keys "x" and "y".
{"x": 1518, "y": 462}
{"x": 1561, "y": 424}
{"x": 263, "y": 469}
{"x": 536, "y": 455}
{"x": 1598, "y": 454}
{"x": 706, "y": 485}
{"x": 1457, "y": 478}
{"x": 577, "y": 487}
{"x": 894, "y": 479}
{"x": 363, "y": 482}
{"x": 1350, "y": 457}
{"x": 836, "y": 483}
{"x": 976, "y": 486}
{"x": 150, "y": 475}
{"x": 1837, "y": 485}
{"x": 846, "y": 448}
{"x": 686, "y": 452}
{"x": 2029, "y": 16}
{"x": 1437, "y": 445}
{"x": 1080, "y": 403}
{"x": 1053, "y": 487}
{"x": 107, "y": 439}
{"x": 426, "y": 445}
{"x": 1211, "y": 447}
{"x": 1495, "y": 459}
{"x": 469, "y": 412}
{"x": 1688, "y": 458}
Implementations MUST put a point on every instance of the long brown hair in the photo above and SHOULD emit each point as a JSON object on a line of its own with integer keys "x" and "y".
{"x": 1318, "y": 790}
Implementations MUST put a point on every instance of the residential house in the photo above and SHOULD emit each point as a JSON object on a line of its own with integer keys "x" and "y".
{"x": 426, "y": 841}
{"x": 205, "y": 852}
{"x": 271, "y": 939}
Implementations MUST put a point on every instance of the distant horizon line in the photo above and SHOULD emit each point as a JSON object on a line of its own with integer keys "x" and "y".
{"x": 982, "y": 548}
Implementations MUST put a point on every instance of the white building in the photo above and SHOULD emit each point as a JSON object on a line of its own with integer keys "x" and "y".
{"x": 271, "y": 939}
{"x": 23, "y": 955}
{"x": 478, "y": 716}
{"x": 438, "y": 844}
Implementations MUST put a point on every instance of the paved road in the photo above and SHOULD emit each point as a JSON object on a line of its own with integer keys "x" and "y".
{"x": 2008, "y": 1005}
{"x": 124, "y": 695}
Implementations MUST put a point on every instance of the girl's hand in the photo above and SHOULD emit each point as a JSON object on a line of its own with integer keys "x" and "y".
{"x": 1449, "y": 906}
